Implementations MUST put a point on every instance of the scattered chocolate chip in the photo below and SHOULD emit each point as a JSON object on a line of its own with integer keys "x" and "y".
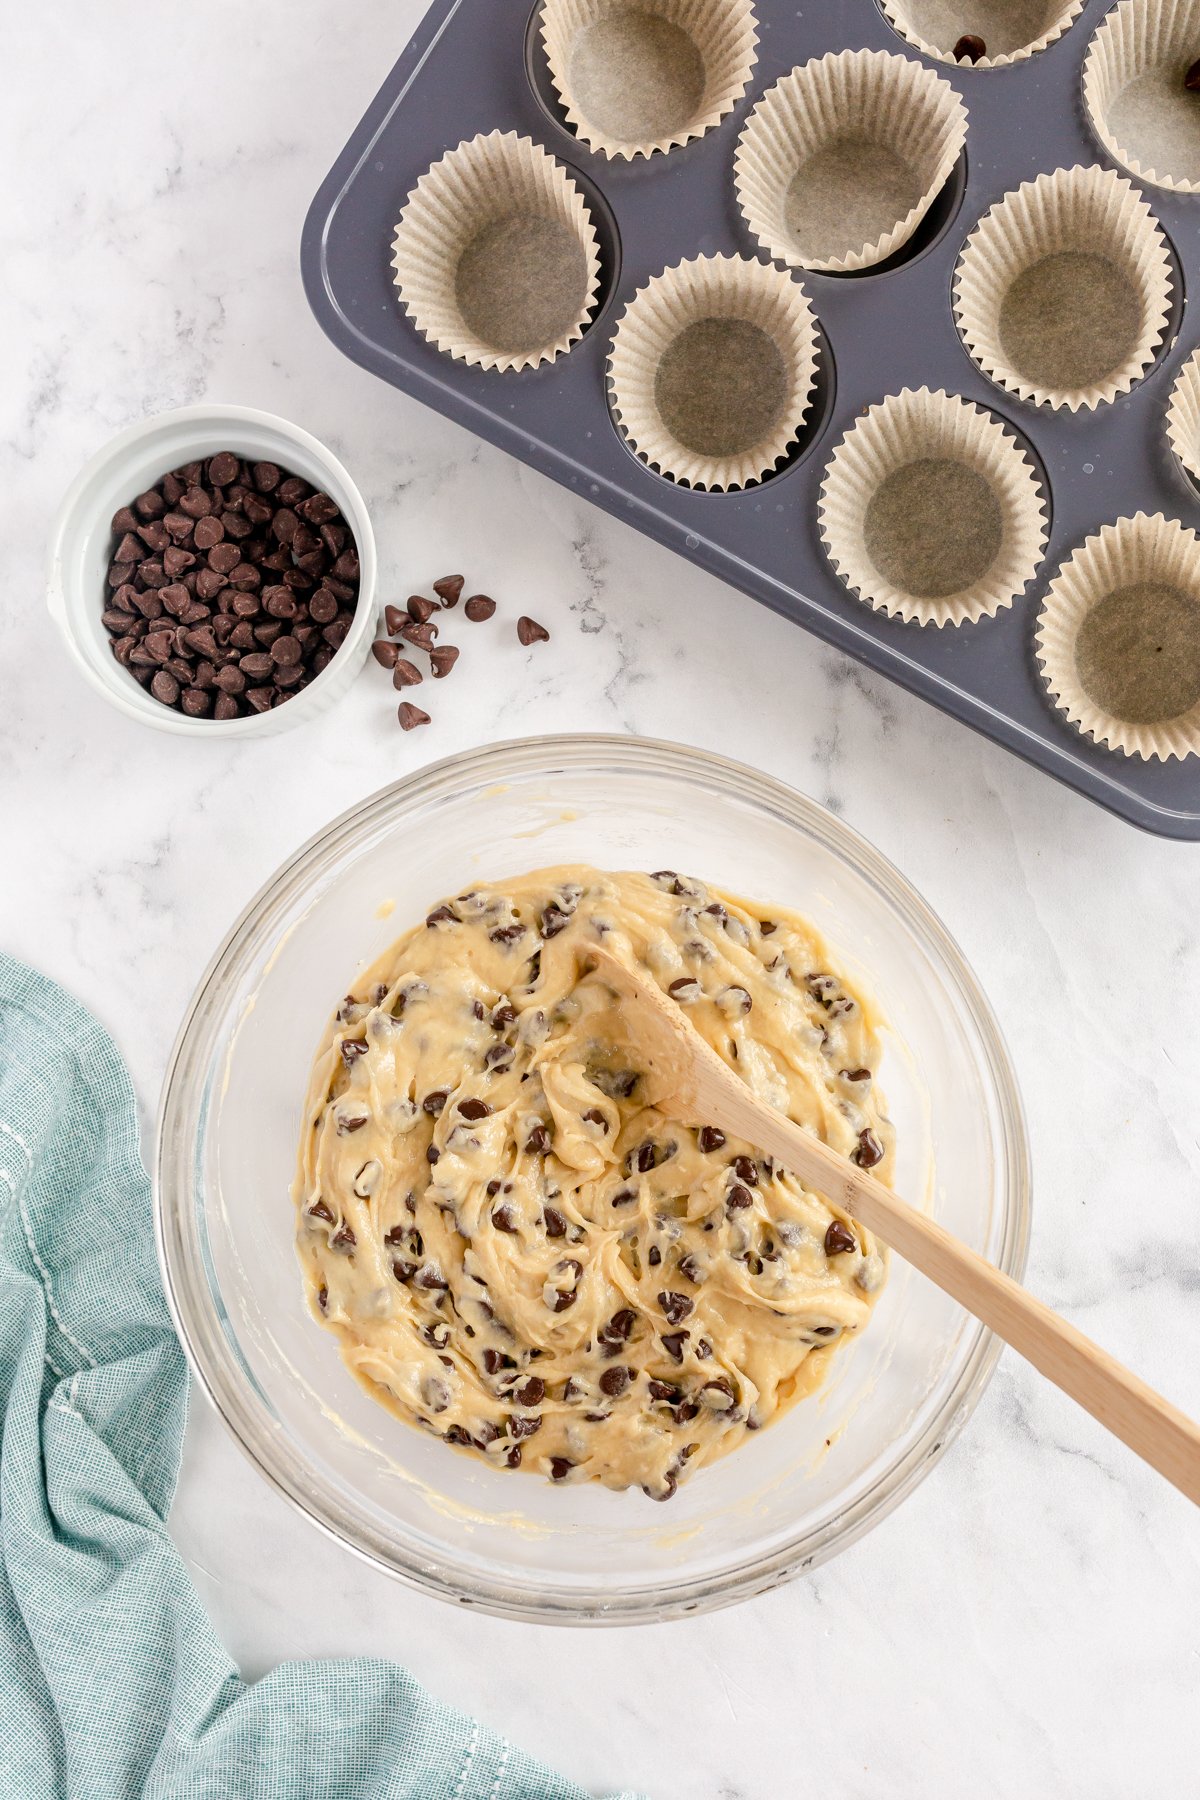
{"x": 442, "y": 659}
{"x": 405, "y": 674}
{"x": 479, "y": 607}
{"x": 419, "y": 608}
{"x": 386, "y": 654}
{"x": 411, "y": 716}
{"x": 530, "y": 632}
{"x": 448, "y": 588}
{"x": 969, "y": 48}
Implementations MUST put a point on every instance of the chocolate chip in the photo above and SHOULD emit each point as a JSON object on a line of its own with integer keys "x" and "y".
{"x": 405, "y": 673}
{"x": 685, "y": 987}
{"x": 411, "y": 716}
{"x": 654, "y": 1256}
{"x": 531, "y": 1392}
{"x": 538, "y": 1141}
{"x": 448, "y": 588}
{"x": 710, "y": 1138}
{"x": 530, "y": 632}
{"x": 738, "y": 1197}
{"x": 479, "y": 607}
{"x": 746, "y": 1169}
{"x": 421, "y": 635}
{"x": 675, "y": 1307}
{"x": 394, "y": 620}
{"x": 870, "y": 1150}
{"x": 855, "y": 1074}
{"x": 560, "y": 1468}
{"x": 839, "y": 1238}
{"x": 1191, "y": 80}
{"x": 552, "y": 1219}
{"x": 223, "y": 468}
{"x": 419, "y": 608}
{"x": 473, "y": 1109}
{"x": 434, "y": 1102}
{"x": 969, "y": 48}
{"x": 614, "y": 1381}
{"x": 673, "y": 1342}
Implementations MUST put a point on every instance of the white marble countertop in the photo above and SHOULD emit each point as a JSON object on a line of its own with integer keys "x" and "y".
{"x": 1027, "y": 1620}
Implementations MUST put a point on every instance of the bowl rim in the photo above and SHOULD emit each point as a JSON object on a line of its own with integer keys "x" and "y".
{"x": 73, "y": 506}
{"x": 248, "y": 1417}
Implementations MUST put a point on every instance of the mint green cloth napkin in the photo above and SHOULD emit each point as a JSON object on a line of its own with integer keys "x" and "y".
{"x": 112, "y": 1681}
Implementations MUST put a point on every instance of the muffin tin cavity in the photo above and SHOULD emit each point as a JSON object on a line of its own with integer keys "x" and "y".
{"x": 840, "y": 161}
{"x": 638, "y": 76}
{"x": 987, "y": 34}
{"x": 1063, "y": 291}
{"x": 978, "y": 249}
{"x": 1119, "y": 638}
{"x": 496, "y": 257}
{"x": 712, "y": 370}
{"x": 1135, "y": 87}
{"x": 931, "y": 511}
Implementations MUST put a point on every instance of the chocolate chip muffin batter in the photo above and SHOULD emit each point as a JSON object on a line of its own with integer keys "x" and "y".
{"x": 520, "y": 1254}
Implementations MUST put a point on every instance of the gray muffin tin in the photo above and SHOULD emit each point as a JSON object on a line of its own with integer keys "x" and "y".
{"x": 477, "y": 65}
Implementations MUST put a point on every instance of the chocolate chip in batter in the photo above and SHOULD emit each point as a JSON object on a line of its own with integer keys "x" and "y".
{"x": 556, "y": 1225}
{"x": 654, "y": 1256}
{"x": 512, "y": 1457}
{"x": 531, "y": 1392}
{"x": 746, "y": 1169}
{"x": 870, "y": 1150}
{"x": 560, "y": 1468}
{"x": 710, "y": 1138}
{"x": 855, "y": 1074}
{"x": 442, "y": 915}
{"x": 839, "y": 1238}
{"x": 685, "y": 988}
{"x": 675, "y": 1307}
{"x": 614, "y": 1381}
{"x": 434, "y": 1103}
{"x": 504, "y": 1218}
{"x": 474, "y": 1109}
{"x": 538, "y": 1141}
{"x": 673, "y": 1342}
{"x": 738, "y": 1198}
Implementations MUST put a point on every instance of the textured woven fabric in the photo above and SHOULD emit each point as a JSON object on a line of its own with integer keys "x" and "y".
{"x": 112, "y": 1681}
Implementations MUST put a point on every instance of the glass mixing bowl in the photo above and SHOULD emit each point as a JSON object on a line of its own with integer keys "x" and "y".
{"x": 230, "y": 1115}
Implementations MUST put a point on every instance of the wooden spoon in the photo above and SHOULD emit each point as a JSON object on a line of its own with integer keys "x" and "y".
{"x": 685, "y": 1072}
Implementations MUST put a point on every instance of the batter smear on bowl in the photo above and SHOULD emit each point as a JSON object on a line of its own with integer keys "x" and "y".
{"x": 515, "y": 1249}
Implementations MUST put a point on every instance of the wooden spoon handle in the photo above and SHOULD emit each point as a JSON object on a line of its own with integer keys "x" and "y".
{"x": 1154, "y": 1429}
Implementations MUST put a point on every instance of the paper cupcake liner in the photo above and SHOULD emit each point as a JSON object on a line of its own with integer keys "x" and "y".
{"x": 1010, "y": 30}
{"x": 930, "y": 511}
{"x": 1119, "y": 633}
{"x": 840, "y": 161}
{"x": 495, "y": 255}
{"x": 1134, "y": 94}
{"x": 1063, "y": 290}
{"x": 639, "y": 76}
{"x": 712, "y": 368}
{"x": 1183, "y": 417}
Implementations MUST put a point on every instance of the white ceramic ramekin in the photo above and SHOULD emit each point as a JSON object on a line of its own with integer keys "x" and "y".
{"x": 127, "y": 466}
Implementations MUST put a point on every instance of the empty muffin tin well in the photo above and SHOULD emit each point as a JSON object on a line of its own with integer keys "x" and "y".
{"x": 882, "y": 329}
